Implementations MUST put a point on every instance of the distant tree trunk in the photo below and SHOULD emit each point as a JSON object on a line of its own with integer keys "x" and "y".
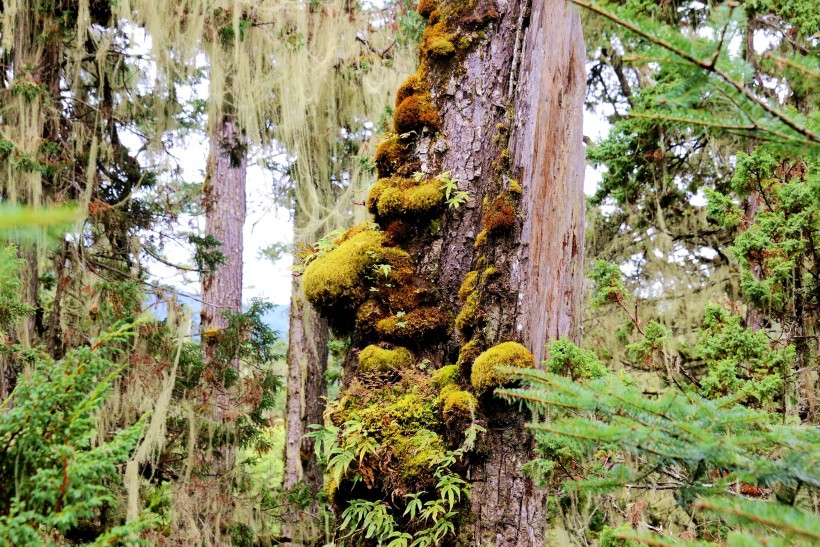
{"x": 222, "y": 287}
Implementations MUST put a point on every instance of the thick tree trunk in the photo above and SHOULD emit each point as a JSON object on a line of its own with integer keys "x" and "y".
{"x": 224, "y": 220}
{"x": 507, "y": 83}
{"x": 531, "y": 70}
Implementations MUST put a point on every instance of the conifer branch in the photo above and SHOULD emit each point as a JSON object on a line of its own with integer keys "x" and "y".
{"x": 706, "y": 65}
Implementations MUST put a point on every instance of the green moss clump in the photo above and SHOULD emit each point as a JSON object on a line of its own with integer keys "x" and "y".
{"x": 485, "y": 375}
{"x": 467, "y": 318}
{"x": 414, "y": 113}
{"x": 515, "y": 187}
{"x": 376, "y": 359}
{"x": 390, "y": 155}
{"x": 468, "y": 286}
{"x": 417, "y": 326}
{"x": 468, "y": 354}
{"x": 457, "y": 402}
{"x": 395, "y": 197}
{"x": 445, "y": 376}
{"x": 336, "y": 280}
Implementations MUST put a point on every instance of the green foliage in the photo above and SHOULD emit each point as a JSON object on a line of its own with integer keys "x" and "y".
{"x": 207, "y": 255}
{"x": 609, "y": 286}
{"x": 11, "y": 308}
{"x": 453, "y": 197}
{"x": 569, "y": 360}
{"x": 740, "y": 361}
{"x": 58, "y": 471}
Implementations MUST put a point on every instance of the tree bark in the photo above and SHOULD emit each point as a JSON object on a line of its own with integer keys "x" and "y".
{"x": 224, "y": 218}
{"x": 532, "y": 67}
{"x": 508, "y": 94}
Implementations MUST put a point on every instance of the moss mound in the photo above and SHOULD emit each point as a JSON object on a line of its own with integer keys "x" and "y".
{"x": 415, "y": 113}
{"x": 390, "y": 155}
{"x": 418, "y": 326}
{"x": 468, "y": 286}
{"x": 336, "y": 280}
{"x": 485, "y": 375}
{"x": 445, "y": 376}
{"x": 377, "y": 359}
{"x": 457, "y": 402}
{"x": 397, "y": 197}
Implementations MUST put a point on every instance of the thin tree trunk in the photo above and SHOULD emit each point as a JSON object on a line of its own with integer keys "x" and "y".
{"x": 222, "y": 292}
{"x": 306, "y": 387}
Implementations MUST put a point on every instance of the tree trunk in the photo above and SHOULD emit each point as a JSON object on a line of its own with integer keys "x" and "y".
{"x": 222, "y": 292}
{"x": 506, "y": 83}
{"x": 531, "y": 69}
{"x": 306, "y": 387}
{"x": 224, "y": 219}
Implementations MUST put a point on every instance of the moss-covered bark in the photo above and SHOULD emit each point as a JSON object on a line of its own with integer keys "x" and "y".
{"x": 496, "y": 112}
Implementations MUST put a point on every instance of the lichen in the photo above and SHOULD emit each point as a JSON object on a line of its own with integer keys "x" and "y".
{"x": 376, "y": 359}
{"x": 467, "y": 318}
{"x": 418, "y": 326}
{"x": 485, "y": 375}
{"x": 469, "y": 285}
{"x": 390, "y": 154}
{"x": 445, "y": 376}
{"x": 335, "y": 281}
{"x": 414, "y": 113}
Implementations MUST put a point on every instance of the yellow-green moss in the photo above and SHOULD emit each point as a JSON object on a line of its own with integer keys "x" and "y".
{"x": 458, "y": 402}
{"x": 415, "y": 113}
{"x": 336, "y": 280}
{"x": 466, "y": 320}
{"x": 486, "y": 376}
{"x": 489, "y": 273}
{"x": 436, "y": 41}
{"x": 480, "y": 239}
{"x": 447, "y": 375}
{"x": 393, "y": 197}
{"x": 515, "y": 187}
{"x": 390, "y": 155}
{"x": 469, "y": 285}
{"x": 376, "y": 359}
{"x": 468, "y": 353}
{"x": 417, "y": 326}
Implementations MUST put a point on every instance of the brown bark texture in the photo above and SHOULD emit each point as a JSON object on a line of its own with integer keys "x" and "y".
{"x": 530, "y": 76}
{"x": 497, "y": 105}
{"x": 224, "y": 219}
